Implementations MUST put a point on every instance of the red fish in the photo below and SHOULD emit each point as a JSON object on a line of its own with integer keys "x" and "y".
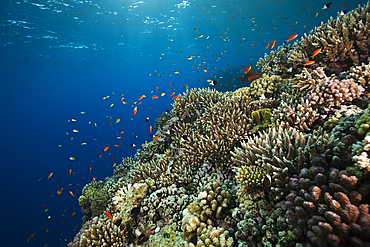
{"x": 247, "y": 69}
{"x": 109, "y": 216}
{"x": 342, "y": 4}
{"x": 316, "y": 52}
{"x": 93, "y": 180}
{"x": 51, "y": 174}
{"x": 292, "y": 37}
{"x": 268, "y": 44}
{"x": 309, "y": 63}
{"x": 175, "y": 97}
{"x": 155, "y": 138}
{"x": 154, "y": 97}
{"x": 272, "y": 45}
{"x": 60, "y": 191}
{"x": 135, "y": 110}
{"x": 172, "y": 94}
{"x": 150, "y": 129}
{"x": 106, "y": 148}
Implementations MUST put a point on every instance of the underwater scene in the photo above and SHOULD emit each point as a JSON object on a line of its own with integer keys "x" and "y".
{"x": 185, "y": 123}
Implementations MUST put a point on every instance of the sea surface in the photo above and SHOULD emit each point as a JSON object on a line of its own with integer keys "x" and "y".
{"x": 61, "y": 58}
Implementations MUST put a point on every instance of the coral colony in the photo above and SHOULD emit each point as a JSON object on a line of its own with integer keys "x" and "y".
{"x": 283, "y": 162}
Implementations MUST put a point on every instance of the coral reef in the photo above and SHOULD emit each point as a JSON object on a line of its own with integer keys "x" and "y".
{"x": 282, "y": 162}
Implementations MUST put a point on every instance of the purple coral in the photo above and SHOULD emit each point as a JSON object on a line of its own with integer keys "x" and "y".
{"x": 334, "y": 92}
{"x": 325, "y": 204}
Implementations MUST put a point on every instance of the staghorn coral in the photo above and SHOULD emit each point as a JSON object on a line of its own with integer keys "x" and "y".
{"x": 361, "y": 75}
{"x": 122, "y": 169}
{"x": 162, "y": 120}
{"x": 292, "y": 114}
{"x": 333, "y": 93}
{"x": 308, "y": 80}
{"x": 192, "y": 104}
{"x": 278, "y": 151}
{"x": 94, "y": 199}
{"x": 100, "y": 231}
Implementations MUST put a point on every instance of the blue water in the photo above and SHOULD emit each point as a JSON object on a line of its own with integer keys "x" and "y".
{"x": 59, "y": 58}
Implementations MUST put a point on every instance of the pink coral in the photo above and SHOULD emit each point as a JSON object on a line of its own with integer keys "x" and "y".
{"x": 334, "y": 92}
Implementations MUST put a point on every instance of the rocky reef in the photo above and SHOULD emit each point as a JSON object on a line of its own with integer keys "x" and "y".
{"x": 282, "y": 162}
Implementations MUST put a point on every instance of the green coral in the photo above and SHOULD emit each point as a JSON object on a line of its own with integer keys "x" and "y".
{"x": 167, "y": 236}
{"x": 94, "y": 199}
{"x": 249, "y": 176}
{"x": 363, "y": 124}
{"x": 262, "y": 117}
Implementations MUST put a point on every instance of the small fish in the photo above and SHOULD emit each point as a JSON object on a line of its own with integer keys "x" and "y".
{"x": 132, "y": 145}
{"x": 268, "y": 44}
{"x": 70, "y": 171}
{"x": 83, "y": 143}
{"x": 74, "y": 120}
{"x": 150, "y": 129}
{"x": 111, "y": 105}
{"x": 147, "y": 119}
{"x": 109, "y": 216}
{"x": 39, "y": 179}
{"x": 316, "y": 52}
{"x": 106, "y": 148}
{"x": 60, "y": 191}
{"x": 93, "y": 180}
{"x": 175, "y": 97}
{"x": 317, "y": 13}
{"x": 83, "y": 112}
{"x": 49, "y": 218}
{"x": 51, "y": 174}
{"x": 135, "y": 110}
{"x": 309, "y": 63}
{"x": 60, "y": 145}
{"x": 76, "y": 131}
{"x": 272, "y": 45}
{"x": 72, "y": 158}
{"x": 172, "y": 94}
{"x": 155, "y": 138}
{"x": 154, "y": 97}
{"x": 162, "y": 94}
{"x": 142, "y": 96}
{"x": 114, "y": 165}
{"x": 292, "y": 37}
{"x": 116, "y": 145}
{"x": 70, "y": 192}
{"x": 247, "y": 69}
{"x": 213, "y": 82}
{"x": 342, "y": 4}
{"x": 327, "y": 5}
{"x": 117, "y": 121}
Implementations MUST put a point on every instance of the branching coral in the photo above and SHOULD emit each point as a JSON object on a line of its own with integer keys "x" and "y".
{"x": 333, "y": 93}
{"x": 261, "y": 86}
{"x": 308, "y": 80}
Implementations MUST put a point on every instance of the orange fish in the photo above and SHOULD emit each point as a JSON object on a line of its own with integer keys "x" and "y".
{"x": 175, "y": 97}
{"x": 342, "y": 4}
{"x": 154, "y": 97}
{"x": 93, "y": 180}
{"x": 90, "y": 169}
{"x": 155, "y": 138}
{"x": 70, "y": 192}
{"x": 186, "y": 86}
{"x": 70, "y": 171}
{"x": 32, "y": 235}
{"x": 142, "y": 96}
{"x": 272, "y": 45}
{"x": 268, "y": 44}
{"x": 247, "y": 69}
{"x": 122, "y": 132}
{"x": 47, "y": 243}
{"x": 106, "y": 148}
{"x": 109, "y": 216}
{"x": 118, "y": 137}
{"x": 28, "y": 239}
{"x": 51, "y": 174}
{"x": 292, "y": 37}
{"x": 73, "y": 214}
{"x": 253, "y": 44}
{"x": 309, "y": 63}
{"x": 156, "y": 87}
{"x": 172, "y": 94}
{"x": 316, "y": 52}
{"x": 100, "y": 156}
{"x": 72, "y": 138}
{"x": 116, "y": 145}
{"x": 150, "y": 129}
{"x": 135, "y": 110}
{"x": 170, "y": 83}
{"x": 60, "y": 191}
